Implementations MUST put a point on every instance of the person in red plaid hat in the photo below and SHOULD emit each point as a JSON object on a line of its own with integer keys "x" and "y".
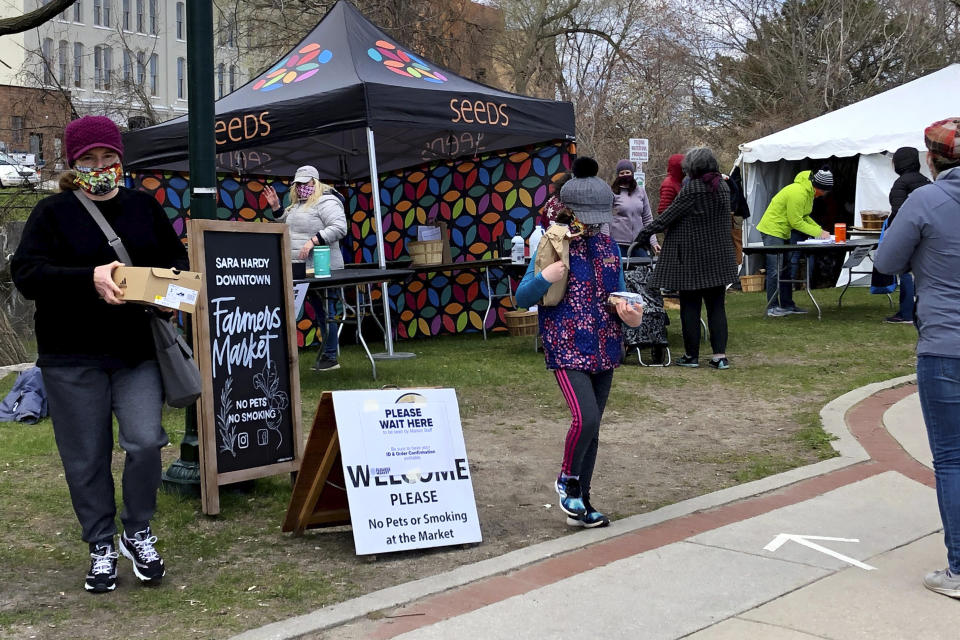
{"x": 926, "y": 240}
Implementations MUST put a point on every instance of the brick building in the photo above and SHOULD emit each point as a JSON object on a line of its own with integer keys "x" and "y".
{"x": 32, "y": 121}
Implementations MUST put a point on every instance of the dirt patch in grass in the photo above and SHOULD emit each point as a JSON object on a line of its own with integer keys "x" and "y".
{"x": 242, "y": 572}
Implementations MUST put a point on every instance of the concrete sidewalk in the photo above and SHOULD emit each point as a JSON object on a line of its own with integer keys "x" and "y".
{"x": 700, "y": 569}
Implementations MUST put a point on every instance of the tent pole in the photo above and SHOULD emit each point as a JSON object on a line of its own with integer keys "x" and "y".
{"x": 381, "y": 258}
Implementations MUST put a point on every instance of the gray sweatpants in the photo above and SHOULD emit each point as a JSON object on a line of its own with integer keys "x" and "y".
{"x": 82, "y": 401}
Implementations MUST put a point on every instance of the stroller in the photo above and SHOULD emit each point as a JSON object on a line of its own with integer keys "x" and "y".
{"x": 652, "y": 332}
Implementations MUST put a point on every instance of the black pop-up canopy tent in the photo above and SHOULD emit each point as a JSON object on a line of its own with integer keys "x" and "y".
{"x": 346, "y": 78}
{"x": 323, "y": 103}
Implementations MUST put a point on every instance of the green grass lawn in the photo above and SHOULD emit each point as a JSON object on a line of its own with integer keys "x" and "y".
{"x": 16, "y": 203}
{"x": 237, "y": 570}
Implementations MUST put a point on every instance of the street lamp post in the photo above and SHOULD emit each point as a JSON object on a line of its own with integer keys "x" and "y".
{"x": 184, "y": 474}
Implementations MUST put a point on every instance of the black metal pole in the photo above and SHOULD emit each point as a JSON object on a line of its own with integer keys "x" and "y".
{"x": 184, "y": 474}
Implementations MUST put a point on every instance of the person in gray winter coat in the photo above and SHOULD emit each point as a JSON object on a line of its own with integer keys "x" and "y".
{"x": 315, "y": 217}
{"x": 926, "y": 240}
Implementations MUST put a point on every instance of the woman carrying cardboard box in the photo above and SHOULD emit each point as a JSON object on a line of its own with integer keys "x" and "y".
{"x": 96, "y": 354}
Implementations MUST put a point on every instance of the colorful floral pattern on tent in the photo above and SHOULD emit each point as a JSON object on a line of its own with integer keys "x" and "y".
{"x": 403, "y": 62}
{"x": 483, "y": 203}
{"x": 296, "y": 67}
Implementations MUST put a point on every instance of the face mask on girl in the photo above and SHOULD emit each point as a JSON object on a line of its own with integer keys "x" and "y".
{"x": 304, "y": 191}
{"x": 100, "y": 181}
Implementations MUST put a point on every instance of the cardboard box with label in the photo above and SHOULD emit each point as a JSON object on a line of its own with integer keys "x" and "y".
{"x": 169, "y": 288}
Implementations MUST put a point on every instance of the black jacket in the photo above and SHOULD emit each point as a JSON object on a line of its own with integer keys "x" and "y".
{"x": 906, "y": 162}
{"x": 54, "y": 264}
{"x": 697, "y": 248}
{"x": 738, "y": 203}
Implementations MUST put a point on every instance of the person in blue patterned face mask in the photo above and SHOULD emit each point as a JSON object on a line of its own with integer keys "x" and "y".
{"x": 105, "y": 365}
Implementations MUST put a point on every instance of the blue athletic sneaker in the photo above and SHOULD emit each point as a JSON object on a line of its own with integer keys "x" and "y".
{"x": 570, "y": 501}
{"x": 589, "y": 520}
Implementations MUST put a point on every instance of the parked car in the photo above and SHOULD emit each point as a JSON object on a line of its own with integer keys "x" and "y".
{"x": 12, "y": 173}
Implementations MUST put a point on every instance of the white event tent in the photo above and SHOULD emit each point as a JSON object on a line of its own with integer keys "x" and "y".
{"x": 871, "y": 130}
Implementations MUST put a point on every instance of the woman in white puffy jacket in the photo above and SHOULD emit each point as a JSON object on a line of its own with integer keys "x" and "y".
{"x": 315, "y": 217}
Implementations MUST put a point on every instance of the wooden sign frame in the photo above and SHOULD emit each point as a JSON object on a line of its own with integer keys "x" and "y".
{"x": 210, "y": 477}
{"x": 319, "y": 496}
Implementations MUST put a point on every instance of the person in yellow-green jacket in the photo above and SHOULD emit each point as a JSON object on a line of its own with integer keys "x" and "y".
{"x": 787, "y": 221}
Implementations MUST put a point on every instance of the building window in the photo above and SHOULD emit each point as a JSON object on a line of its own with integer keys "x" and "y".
{"x": 126, "y": 15}
{"x": 78, "y": 11}
{"x": 127, "y": 66}
{"x": 77, "y": 64}
{"x": 180, "y": 21}
{"x": 64, "y": 54}
{"x": 154, "y": 84}
{"x": 98, "y": 12}
{"x": 46, "y": 52}
{"x": 225, "y": 31}
{"x": 220, "y": 80}
{"x": 98, "y": 67}
{"x": 139, "y": 16}
{"x": 181, "y": 79}
{"x": 107, "y": 67}
{"x": 153, "y": 17}
{"x": 102, "y": 66}
{"x": 16, "y": 124}
{"x": 107, "y": 13}
{"x": 36, "y": 147}
{"x": 141, "y": 68}
{"x": 233, "y": 78}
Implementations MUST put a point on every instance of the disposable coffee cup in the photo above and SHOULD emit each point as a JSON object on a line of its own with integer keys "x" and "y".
{"x": 321, "y": 262}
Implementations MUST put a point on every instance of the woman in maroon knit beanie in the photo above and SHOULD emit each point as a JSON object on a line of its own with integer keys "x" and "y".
{"x": 105, "y": 365}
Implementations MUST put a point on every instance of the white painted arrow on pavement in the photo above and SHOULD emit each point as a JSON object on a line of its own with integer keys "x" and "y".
{"x": 778, "y": 542}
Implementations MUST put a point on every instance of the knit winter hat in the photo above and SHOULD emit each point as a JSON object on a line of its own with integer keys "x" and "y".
{"x": 585, "y": 167}
{"x": 89, "y": 132}
{"x": 624, "y": 165}
{"x": 942, "y": 139}
{"x": 823, "y": 179}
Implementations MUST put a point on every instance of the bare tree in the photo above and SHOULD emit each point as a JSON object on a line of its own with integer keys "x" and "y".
{"x": 35, "y": 18}
{"x": 765, "y": 64}
{"x": 448, "y": 33}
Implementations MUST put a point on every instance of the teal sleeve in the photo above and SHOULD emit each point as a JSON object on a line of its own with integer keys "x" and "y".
{"x": 532, "y": 287}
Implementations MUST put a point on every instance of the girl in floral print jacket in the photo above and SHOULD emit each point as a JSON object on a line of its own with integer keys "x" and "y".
{"x": 582, "y": 337}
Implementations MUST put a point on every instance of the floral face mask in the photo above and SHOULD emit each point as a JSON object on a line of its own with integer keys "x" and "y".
{"x": 304, "y": 191}
{"x": 100, "y": 181}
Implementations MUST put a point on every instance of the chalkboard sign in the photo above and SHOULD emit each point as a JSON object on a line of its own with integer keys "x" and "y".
{"x": 246, "y": 346}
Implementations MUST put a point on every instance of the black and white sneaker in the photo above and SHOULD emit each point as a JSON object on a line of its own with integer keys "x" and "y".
{"x": 102, "y": 576}
{"x": 147, "y": 563}
{"x": 325, "y": 364}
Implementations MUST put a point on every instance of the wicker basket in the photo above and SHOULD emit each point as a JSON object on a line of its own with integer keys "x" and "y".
{"x": 521, "y": 323}
{"x": 752, "y": 284}
{"x": 873, "y": 220}
{"x": 425, "y": 252}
